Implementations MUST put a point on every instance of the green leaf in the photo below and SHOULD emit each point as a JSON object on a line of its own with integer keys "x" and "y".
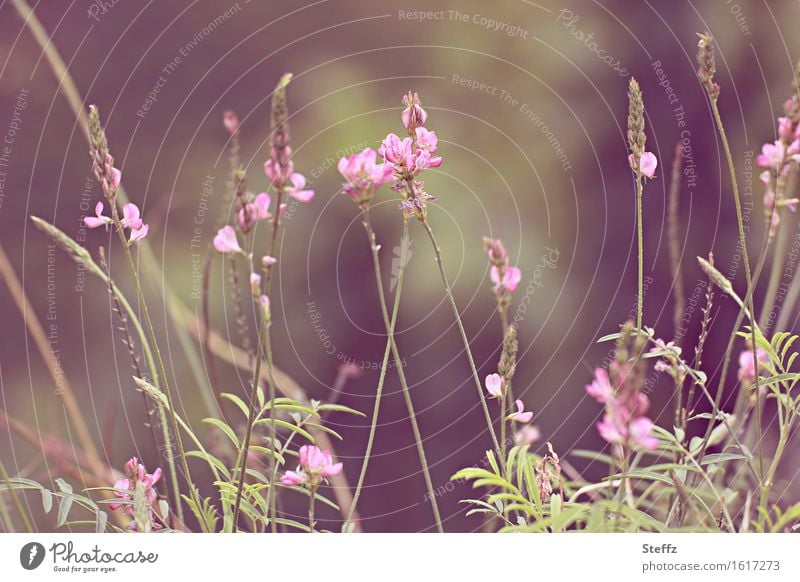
{"x": 63, "y": 509}
{"x": 228, "y": 431}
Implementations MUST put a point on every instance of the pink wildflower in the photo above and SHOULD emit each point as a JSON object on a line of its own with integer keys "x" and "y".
{"x": 413, "y": 115}
{"x": 509, "y": 281}
{"x": 647, "y": 164}
{"x": 230, "y": 121}
{"x": 600, "y": 389}
{"x": 527, "y": 435}
{"x": 520, "y": 415}
{"x": 494, "y": 385}
{"x": 363, "y": 175}
{"x": 98, "y": 219}
{"x": 226, "y": 242}
{"x": 747, "y": 369}
{"x": 315, "y": 466}
{"x": 135, "y": 473}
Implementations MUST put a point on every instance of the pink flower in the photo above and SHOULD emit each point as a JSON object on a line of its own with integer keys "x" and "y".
{"x": 278, "y": 173}
{"x": 494, "y": 385}
{"x": 131, "y": 217}
{"x": 297, "y": 188}
{"x": 640, "y": 433}
{"x": 510, "y": 280}
{"x": 138, "y": 234}
{"x": 747, "y": 369}
{"x": 363, "y": 175}
{"x": 226, "y": 242}
{"x": 426, "y": 140}
{"x": 600, "y": 389}
{"x": 291, "y": 478}
{"x": 230, "y": 121}
{"x": 647, "y": 164}
{"x": 771, "y": 155}
{"x": 395, "y": 150}
{"x": 785, "y": 129}
{"x": 315, "y": 466}
{"x": 136, "y": 473}
{"x": 519, "y": 415}
{"x": 413, "y": 115}
{"x": 267, "y": 261}
{"x": 98, "y": 219}
{"x": 527, "y": 435}
{"x": 254, "y": 211}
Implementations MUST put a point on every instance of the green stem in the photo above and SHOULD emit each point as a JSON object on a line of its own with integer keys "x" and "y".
{"x": 464, "y": 339}
{"x": 398, "y": 362}
{"x": 749, "y": 295}
{"x": 166, "y": 389}
{"x": 20, "y": 510}
{"x": 384, "y": 365}
{"x": 640, "y": 238}
{"x": 244, "y": 449}
{"x": 311, "y": 499}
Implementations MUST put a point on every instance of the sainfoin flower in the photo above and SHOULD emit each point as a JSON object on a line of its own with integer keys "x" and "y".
{"x": 747, "y": 368}
{"x": 647, "y": 164}
{"x": 135, "y": 473}
{"x": 226, "y": 242}
{"x": 520, "y": 415}
{"x": 253, "y": 211}
{"x": 509, "y": 280}
{"x": 363, "y": 176}
{"x": 413, "y": 115}
{"x": 131, "y": 219}
{"x": 494, "y": 385}
{"x": 624, "y": 422}
{"x": 315, "y": 466}
{"x": 600, "y": 389}
{"x": 284, "y": 177}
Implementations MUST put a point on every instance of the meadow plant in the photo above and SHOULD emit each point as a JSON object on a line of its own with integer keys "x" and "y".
{"x": 710, "y": 468}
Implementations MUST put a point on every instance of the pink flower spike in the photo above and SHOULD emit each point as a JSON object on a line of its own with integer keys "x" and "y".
{"x": 494, "y": 385}
{"x": 519, "y": 415}
{"x": 138, "y": 234}
{"x": 131, "y": 217}
{"x": 226, "y": 242}
{"x": 98, "y": 219}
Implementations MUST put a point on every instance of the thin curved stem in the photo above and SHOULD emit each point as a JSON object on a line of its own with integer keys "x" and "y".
{"x": 640, "y": 239}
{"x": 384, "y": 365}
{"x": 749, "y": 295}
{"x": 398, "y": 362}
{"x": 464, "y": 338}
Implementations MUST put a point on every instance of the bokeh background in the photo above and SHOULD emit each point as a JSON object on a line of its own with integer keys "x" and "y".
{"x": 531, "y": 119}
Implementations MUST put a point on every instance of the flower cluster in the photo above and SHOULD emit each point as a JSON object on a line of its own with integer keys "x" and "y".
{"x": 131, "y": 219}
{"x": 363, "y": 176}
{"x": 136, "y": 473}
{"x": 315, "y": 467}
{"x": 110, "y": 178}
{"x": 505, "y": 278}
{"x": 778, "y": 158}
{"x": 410, "y": 156}
{"x": 625, "y": 422}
